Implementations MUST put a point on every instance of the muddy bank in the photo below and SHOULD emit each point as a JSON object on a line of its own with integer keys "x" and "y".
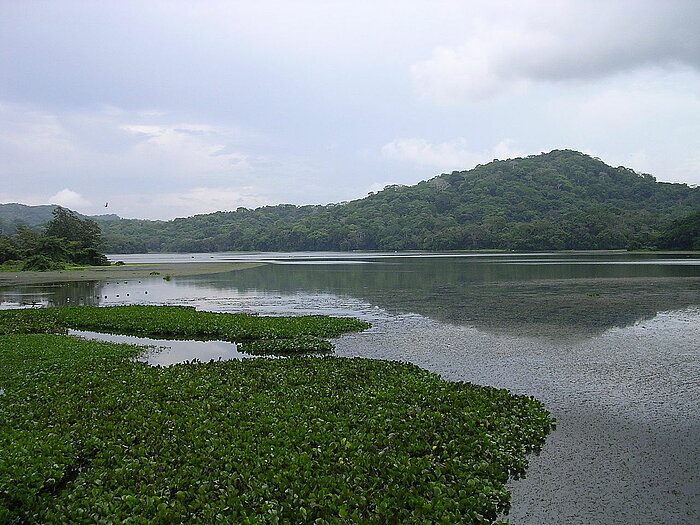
{"x": 129, "y": 271}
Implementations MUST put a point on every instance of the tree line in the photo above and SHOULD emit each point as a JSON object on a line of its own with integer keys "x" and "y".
{"x": 562, "y": 200}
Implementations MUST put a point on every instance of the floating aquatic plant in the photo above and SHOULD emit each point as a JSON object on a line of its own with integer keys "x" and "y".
{"x": 87, "y": 435}
{"x": 186, "y": 322}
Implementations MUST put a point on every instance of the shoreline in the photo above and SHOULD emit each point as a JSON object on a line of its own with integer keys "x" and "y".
{"x": 128, "y": 271}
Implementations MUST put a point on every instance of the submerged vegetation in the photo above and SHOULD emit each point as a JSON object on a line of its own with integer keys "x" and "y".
{"x": 88, "y": 434}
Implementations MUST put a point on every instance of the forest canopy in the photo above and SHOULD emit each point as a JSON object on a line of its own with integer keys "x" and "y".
{"x": 682, "y": 234}
{"x": 562, "y": 200}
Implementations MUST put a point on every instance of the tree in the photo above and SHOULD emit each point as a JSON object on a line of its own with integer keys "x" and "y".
{"x": 67, "y": 225}
{"x": 8, "y": 250}
{"x": 682, "y": 234}
{"x": 54, "y": 248}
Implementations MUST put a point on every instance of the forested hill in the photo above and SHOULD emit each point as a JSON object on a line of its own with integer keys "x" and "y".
{"x": 13, "y": 215}
{"x": 558, "y": 200}
{"x": 682, "y": 234}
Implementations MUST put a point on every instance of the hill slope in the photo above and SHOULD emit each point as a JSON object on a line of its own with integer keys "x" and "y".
{"x": 558, "y": 200}
{"x": 13, "y": 215}
{"x": 681, "y": 234}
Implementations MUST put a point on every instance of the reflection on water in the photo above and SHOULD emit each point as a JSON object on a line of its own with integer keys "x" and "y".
{"x": 575, "y": 296}
{"x": 54, "y": 294}
{"x": 625, "y": 450}
{"x": 169, "y": 352}
{"x": 608, "y": 342}
{"x": 555, "y": 295}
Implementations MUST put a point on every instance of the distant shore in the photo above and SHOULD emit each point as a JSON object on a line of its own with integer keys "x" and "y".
{"x": 128, "y": 271}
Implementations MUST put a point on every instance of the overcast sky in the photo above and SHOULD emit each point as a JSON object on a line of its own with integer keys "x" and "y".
{"x": 167, "y": 108}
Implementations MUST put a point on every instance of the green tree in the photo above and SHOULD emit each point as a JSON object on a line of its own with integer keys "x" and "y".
{"x": 68, "y": 225}
{"x": 54, "y": 248}
{"x": 682, "y": 234}
{"x": 67, "y": 240}
{"x": 8, "y": 250}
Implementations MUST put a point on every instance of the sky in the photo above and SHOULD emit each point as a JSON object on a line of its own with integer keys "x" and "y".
{"x": 166, "y": 109}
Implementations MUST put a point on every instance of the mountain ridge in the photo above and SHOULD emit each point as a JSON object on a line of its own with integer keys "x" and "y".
{"x": 14, "y": 214}
{"x": 559, "y": 200}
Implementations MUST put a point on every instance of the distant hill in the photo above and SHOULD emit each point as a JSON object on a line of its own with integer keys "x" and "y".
{"x": 13, "y": 215}
{"x": 561, "y": 200}
{"x": 104, "y": 217}
{"x": 554, "y": 201}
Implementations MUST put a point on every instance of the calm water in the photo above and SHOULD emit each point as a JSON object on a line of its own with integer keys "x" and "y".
{"x": 167, "y": 352}
{"x": 611, "y": 343}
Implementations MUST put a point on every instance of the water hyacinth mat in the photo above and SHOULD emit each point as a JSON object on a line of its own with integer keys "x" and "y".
{"x": 258, "y": 335}
{"x": 87, "y": 436}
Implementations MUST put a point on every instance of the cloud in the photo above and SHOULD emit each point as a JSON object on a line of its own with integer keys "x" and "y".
{"x": 570, "y": 41}
{"x": 107, "y": 152}
{"x": 69, "y": 199}
{"x": 207, "y": 199}
{"x": 127, "y": 103}
{"x": 108, "y": 141}
{"x": 621, "y": 124}
{"x": 193, "y": 149}
{"x": 448, "y": 156}
{"x": 30, "y": 138}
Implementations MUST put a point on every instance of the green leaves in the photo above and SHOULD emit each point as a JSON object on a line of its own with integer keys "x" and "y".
{"x": 257, "y": 334}
{"x": 87, "y": 435}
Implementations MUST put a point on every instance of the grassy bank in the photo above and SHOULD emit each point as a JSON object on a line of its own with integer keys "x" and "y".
{"x": 88, "y": 435}
{"x": 127, "y": 271}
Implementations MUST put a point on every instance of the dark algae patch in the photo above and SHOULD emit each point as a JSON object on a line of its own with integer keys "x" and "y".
{"x": 87, "y": 434}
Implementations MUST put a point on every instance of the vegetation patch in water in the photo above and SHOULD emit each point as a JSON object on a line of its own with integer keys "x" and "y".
{"x": 299, "y": 345}
{"x": 11, "y": 323}
{"x": 257, "y": 334}
{"x": 88, "y": 435}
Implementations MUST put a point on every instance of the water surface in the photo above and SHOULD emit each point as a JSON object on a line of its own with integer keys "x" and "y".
{"x": 610, "y": 343}
{"x": 166, "y": 352}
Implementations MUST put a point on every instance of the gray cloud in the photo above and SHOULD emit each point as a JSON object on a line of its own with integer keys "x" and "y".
{"x": 167, "y": 106}
{"x": 579, "y": 41}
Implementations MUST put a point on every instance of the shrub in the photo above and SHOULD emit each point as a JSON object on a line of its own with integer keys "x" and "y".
{"x": 89, "y": 257}
{"x": 41, "y": 263}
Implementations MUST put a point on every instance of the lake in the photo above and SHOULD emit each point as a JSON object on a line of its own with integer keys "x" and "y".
{"x": 609, "y": 341}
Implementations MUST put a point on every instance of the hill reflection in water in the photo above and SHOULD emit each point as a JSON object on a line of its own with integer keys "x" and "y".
{"x": 547, "y": 296}
{"x": 553, "y": 295}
